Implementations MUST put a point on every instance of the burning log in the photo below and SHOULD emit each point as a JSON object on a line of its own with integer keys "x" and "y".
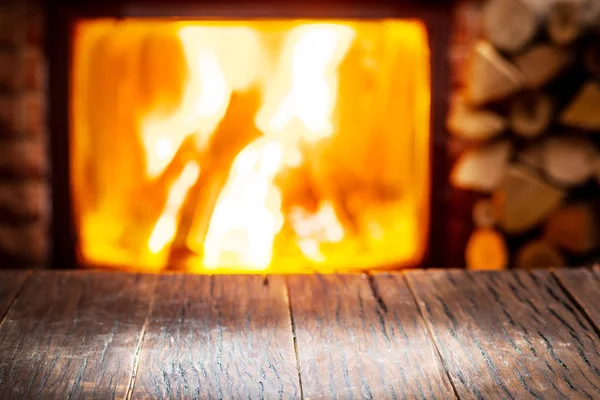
{"x": 574, "y": 228}
{"x": 568, "y": 161}
{"x": 511, "y": 24}
{"x": 144, "y": 214}
{"x": 530, "y": 114}
{"x": 583, "y": 111}
{"x": 539, "y": 254}
{"x": 486, "y": 250}
{"x": 481, "y": 169}
{"x": 491, "y": 77}
{"x": 472, "y": 124}
{"x": 235, "y": 132}
{"x": 523, "y": 200}
{"x": 541, "y": 64}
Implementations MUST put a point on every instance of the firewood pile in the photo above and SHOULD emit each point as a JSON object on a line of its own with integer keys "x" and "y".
{"x": 528, "y": 118}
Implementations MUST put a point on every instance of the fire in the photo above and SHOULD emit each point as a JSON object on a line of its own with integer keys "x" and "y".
{"x": 206, "y": 95}
{"x": 292, "y": 183}
{"x": 248, "y": 213}
{"x": 165, "y": 228}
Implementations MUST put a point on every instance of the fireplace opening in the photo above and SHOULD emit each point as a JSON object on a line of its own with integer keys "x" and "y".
{"x": 275, "y": 145}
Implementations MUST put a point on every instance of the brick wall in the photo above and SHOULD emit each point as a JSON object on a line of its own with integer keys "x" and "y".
{"x": 24, "y": 197}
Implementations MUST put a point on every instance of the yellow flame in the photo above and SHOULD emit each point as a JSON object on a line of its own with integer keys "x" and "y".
{"x": 306, "y": 85}
{"x": 214, "y": 74}
{"x": 248, "y": 212}
{"x": 247, "y": 217}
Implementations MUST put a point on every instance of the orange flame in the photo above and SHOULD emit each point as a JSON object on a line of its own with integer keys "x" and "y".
{"x": 165, "y": 227}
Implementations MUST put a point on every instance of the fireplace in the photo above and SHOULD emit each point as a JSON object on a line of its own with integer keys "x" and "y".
{"x": 504, "y": 172}
{"x": 249, "y": 138}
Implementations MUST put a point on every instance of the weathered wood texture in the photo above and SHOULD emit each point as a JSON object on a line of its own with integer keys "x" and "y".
{"x": 361, "y": 341}
{"x": 10, "y": 284}
{"x": 218, "y": 337}
{"x": 73, "y": 334}
{"x": 516, "y": 334}
{"x": 584, "y": 285}
{"x": 509, "y": 334}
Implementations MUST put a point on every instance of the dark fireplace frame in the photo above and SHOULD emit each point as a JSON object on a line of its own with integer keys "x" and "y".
{"x": 62, "y": 16}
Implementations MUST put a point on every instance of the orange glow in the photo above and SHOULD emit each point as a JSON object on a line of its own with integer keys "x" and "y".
{"x": 164, "y": 230}
{"x": 251, "y": 146}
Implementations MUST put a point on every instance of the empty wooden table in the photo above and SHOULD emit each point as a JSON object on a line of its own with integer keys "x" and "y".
{"x": 416, "y": 334}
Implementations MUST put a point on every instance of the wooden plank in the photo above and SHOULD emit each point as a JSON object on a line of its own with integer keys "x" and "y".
{"x": 218, "y": 337}
{"x": 509, "y": 334}
{"x": 365, "y": 341}
{"x": 583, "y": 284}
{"x": 11, "y": 283}
{"x": 73, "y": 334}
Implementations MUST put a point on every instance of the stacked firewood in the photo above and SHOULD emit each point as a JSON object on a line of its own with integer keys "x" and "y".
{"x": 529, "y": 113}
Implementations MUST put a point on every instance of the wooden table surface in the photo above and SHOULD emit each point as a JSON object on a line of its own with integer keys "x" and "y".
{"x": 419, "y": 334}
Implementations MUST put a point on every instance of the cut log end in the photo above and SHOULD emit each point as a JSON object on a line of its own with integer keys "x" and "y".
{"x": 573, "y": 228}
{"x": 511, "y": 24}
{"x": 523, "y": 200}
{"x": 539, "y": 254}
{"x": 541, "y": 64}
{"x": 569, "y": 161}
{"x": 469, "y": 123}
{"x": 566, "y": 21}
{"x": 486, "y": 250}
{"x": 583, "y": 112}
{"x": 491, "y": 77}
{"x": 481, "y": 169}
{"x": 530, "y": 114}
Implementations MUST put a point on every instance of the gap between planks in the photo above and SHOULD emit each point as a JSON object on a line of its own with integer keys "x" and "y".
{"x": 571, "y": 293}
{"x": 430, "y": 335}
{"x": 139, "y": 345}
{"x": 293, "y": 327}
{"x": 372, "y": 282}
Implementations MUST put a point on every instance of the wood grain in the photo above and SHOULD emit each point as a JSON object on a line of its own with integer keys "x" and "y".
{"x": 218, "y": 337}
{"x": 509, "y": 334}
{"x": 73, "y": 334}
{"x": 357, "y": 339}
{"x": 583, "y": 284}
{"x": 11, "y": 283}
